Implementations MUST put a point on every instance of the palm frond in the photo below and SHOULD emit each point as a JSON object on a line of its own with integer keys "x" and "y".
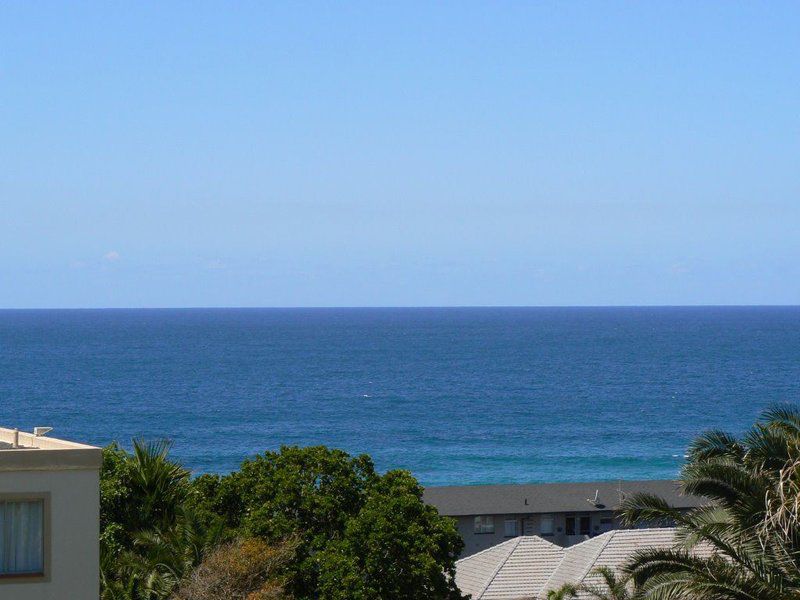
{"x": 715, "y": 444}
{"x": 786, "y": 418}
{"x": 744, "y": 544}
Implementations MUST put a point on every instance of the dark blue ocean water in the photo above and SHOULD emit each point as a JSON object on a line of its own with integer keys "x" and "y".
{"x": 455, "y": 395}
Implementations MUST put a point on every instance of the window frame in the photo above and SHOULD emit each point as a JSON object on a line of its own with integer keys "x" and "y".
{"x": 513, "y": 520}
{"x": 552, "y": 520}
{"x": 482, "y": 519}
{"x": 44, "y": 576}
{"x": 578, "y": 521}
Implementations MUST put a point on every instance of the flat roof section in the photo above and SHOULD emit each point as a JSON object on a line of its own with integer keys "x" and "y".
{"x": 23, "y": 451}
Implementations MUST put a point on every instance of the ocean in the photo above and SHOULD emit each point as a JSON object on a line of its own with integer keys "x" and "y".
{"x": 456, "y": 395}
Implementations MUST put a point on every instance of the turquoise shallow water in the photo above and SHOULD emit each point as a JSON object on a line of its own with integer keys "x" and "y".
{"x": 456, "y": 395}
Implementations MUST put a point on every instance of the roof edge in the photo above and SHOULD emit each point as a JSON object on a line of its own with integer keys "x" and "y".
{"x": 495, "y": 547}
{"x": 38, "y": 459}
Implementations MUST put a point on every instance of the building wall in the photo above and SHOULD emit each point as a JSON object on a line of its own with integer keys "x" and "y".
{"x": 530, "y": 525}
{"x": 74, "y": 533}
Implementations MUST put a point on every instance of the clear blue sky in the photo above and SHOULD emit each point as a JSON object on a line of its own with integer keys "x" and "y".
{"x": 448, "y": 153}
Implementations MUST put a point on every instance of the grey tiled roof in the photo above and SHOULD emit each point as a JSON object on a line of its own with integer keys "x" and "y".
{"x": 611, "y": 550}
{"x": 576, "y": 562}
{"x": 518, "y": 568}
{"x": 528, "y": 566}
{"x": 463, "y": 500}
{"x": 475, "y": 573}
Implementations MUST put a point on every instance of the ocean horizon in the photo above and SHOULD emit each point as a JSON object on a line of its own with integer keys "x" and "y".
{"x": 456, "y": 395}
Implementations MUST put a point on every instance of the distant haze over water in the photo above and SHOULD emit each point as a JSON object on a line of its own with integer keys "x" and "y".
{"x": 456, "y": 395}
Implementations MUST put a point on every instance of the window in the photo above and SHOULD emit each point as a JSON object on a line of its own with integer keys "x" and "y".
{"x": 585, "y": 525}
{"x": 606, "y": 524}
{"x": 569, "y": 529}
{"x": 578, "y": 525}
{"x": 484, "y": 524}
{"x": 511, "y": 528}
{"x": 546, "y": 525}
{"x": 21, "y": 537}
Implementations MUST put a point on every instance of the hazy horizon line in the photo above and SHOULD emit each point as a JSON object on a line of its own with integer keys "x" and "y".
{"x": 391, "y": 306}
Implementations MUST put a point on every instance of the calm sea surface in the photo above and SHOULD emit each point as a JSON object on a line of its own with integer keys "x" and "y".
{"x": 454, "y": 395}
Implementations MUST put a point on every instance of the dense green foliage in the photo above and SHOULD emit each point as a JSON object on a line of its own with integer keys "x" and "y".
{"x": 361, "y": 535}
{"x": 745, "y": 544}
{"x": 395, "y": 547}
{"x": 148, "y": 539}
{"x": 328, "y": 527}
{"x": 354, "y": 533}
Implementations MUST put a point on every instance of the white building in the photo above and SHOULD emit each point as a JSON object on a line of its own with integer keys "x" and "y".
{"x": 49, "y": 518}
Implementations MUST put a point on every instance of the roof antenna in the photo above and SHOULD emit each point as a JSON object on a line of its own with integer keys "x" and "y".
{"x": 596, "y": 500}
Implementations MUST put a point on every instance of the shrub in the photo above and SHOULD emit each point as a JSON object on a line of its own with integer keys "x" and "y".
{"x": 247, "y": 569}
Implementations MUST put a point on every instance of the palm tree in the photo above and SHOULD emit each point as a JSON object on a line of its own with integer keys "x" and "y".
{"x": 614, "y": 588}
{"x": 161, "y": 559}
{"x": 159, "y": 486}
{"x": 745, "y": 543}
{"x": 163, "y": 539}
{"x": 565, "y": 592}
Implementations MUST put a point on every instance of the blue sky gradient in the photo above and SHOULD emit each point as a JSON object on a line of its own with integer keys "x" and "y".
{"x": 358, "y": 154}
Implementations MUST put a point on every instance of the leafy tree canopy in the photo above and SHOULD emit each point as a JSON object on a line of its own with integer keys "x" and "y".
{"x": 355, "y": 527}
{"x": 395, "y": 547}
{"x": 341, "y": 530}
{"x": 149, "y": 539}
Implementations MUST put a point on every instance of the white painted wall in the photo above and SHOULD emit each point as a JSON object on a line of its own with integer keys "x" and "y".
{"x": 74, "y": 531}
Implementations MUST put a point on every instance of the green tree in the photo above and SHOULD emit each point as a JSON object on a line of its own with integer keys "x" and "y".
{"x": 354, "y": 533}
{"x": 215, "y": 499}
{"x": 565, "y": 592}
{"x": 142, "y": 490}
{"x": 744, "y": 543}
{"x": 309, "y": 493}
{"x": 395, "y": 547}
{"x": 149, "y": 540}
{"x": 613, "y": 587}
{"x": 331, "y": 503}
{"x": 115, "y": 477}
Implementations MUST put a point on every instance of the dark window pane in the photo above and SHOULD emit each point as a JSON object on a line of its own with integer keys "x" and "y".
{"x": 570, "y": 526}
{"x": 585, "y": 525}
